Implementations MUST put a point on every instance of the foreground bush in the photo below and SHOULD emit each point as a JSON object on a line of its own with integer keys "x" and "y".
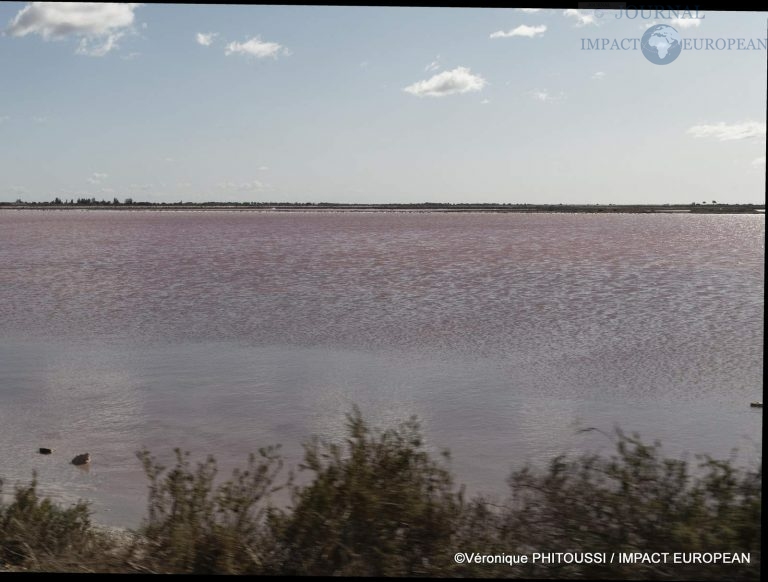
{"x": 638, "y": 501}
{"x": 196, "y": 526}
{"x": 376, "y": 506}
{"x": 35, "y": 533}
{"x": 380, "y": 504}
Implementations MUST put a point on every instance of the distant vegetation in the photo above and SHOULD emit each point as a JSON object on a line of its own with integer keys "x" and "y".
{"x": 379, "y": 503}
{"x": 129, "y": 203}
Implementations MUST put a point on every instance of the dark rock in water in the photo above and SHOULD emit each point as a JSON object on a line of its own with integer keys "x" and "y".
{"x": 83, "y": 459}
{"x": 46, "y": 451}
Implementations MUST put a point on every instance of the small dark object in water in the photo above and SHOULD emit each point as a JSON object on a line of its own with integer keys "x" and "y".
{"x": 46, "y": 451}
{"x": 83, "y": 459}
{"x": 756, "y": 404}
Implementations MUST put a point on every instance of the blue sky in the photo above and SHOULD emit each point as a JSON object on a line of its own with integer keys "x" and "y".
{"x": 360, "y": 104}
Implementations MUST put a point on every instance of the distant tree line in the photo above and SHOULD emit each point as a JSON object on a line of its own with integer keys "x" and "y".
{"x": 460, "y": 206}
{"x": 74, "y": 202}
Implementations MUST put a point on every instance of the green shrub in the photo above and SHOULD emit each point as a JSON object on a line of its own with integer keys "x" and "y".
{"x": 37, "y": 534}
{"x": 194, "y": 525}
{"x": 379, "y": 505}
{"x": 639, "y": 501}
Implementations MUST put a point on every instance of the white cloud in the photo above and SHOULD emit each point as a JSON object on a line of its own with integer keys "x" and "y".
{"x": 255, "y": 47}
{"x": 582, "y": 19}
{"x": 685, "y": 22}
{"x": 263, "y": 168}
{"x": 253, "y": 185}
{"x": 99, "y": 25}
{"x": 485, "y": 102}
{"x": 39, "y": 119}
{"x": 433, "y": 66}
{"x": 679, "y": 22}
{"x": 459, "y": 80}
{"x": 599, "y": 75}
{"x": 206, "y": 38}
{"x": 96, "y": 178}
{"x": 529, "y": 9}
{"x": 60, "y": 19}
{"x": 759, "y": 161}
{"x": 522, "y": 30}
{"x": 4, "y": 118}
{"x": 728, "y": 132}
{"x": 98, "y": 47}
{"x": 545, "y": 96}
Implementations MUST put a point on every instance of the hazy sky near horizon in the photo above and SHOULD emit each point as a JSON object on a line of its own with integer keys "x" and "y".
{"x": 361, "y": 104}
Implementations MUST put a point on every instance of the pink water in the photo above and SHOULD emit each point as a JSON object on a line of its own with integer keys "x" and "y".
{"x": 221, "y": 332}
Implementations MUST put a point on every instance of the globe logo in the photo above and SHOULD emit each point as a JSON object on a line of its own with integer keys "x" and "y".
{"x": 661, "y": 44}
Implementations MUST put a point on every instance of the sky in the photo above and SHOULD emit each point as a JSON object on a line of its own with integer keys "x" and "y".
{"x": 168, "y": 103}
